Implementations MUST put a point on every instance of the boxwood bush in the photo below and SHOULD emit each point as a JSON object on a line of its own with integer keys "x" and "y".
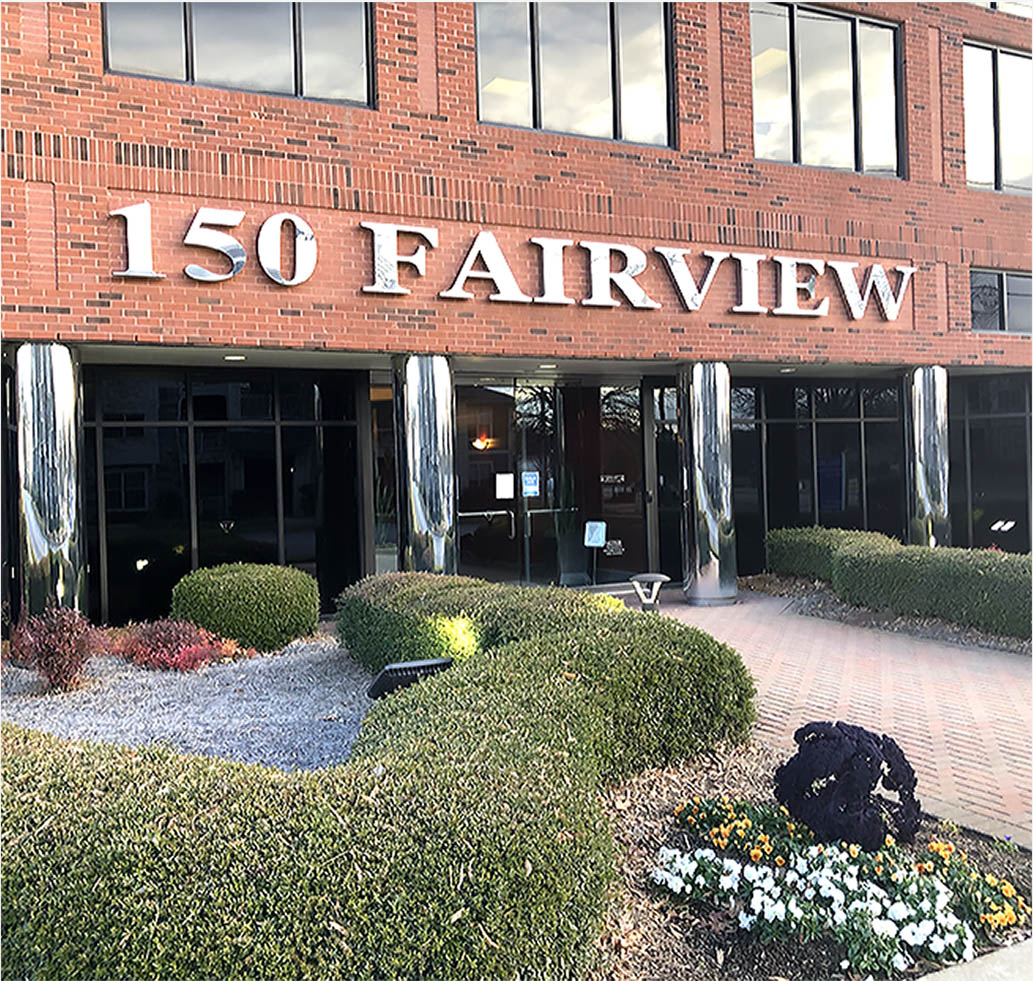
{"x": 261, "y": 606}
{"x": 463, "y": 839}
{"x": 975, "y": 587}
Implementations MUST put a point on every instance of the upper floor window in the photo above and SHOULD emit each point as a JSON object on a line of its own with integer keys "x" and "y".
{"x": 1018, "y": 9}
{"x": 594, "y": 69}
{"x": 998, "y": 123}
{"x": 825, "y": 89}
{"x": 1001, "y": 301}
{"x": 311, "y": 50}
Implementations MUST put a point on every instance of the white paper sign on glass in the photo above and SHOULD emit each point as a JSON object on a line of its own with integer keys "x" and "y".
{"x": 595, "y": 534}
{"x": 504, "y": 487}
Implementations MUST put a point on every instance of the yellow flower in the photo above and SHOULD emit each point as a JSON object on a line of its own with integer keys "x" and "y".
{"x": 991, "y": 880}
{"x": 854, "y": 851}
{"x": 878, "y": 870}
{"x": 767, "y": 848}
{"x": 779, "y": 861}
{"x": 679, "y": 809}
{"x": 755, "y": 854}
{"x": 790, "y": 826}
{"x": 1007, "y": 889}
{"x": 890, "y": 841}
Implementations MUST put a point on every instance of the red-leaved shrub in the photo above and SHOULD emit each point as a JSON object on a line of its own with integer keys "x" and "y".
{"x": 57, "y": 643}
{"x": 175, "y": 645}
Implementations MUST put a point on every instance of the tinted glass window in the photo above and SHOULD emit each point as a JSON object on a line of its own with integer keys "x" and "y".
{"x": 146, "y": 39}
{"x": 574, "y": 45}
{"x": 1000, "y": 501}
{"x": 881, "y": 401}
{"x": 643, "y": 76}
{"x": 826, "y": 90}
{"x": 1015, "y": 82}
{"x": 142, "y": 396}
{"x": 979, "y": 117}
{"x": 504, "y": 63}
{"x": 244, "y": 45}
{"x": 831, "y": 401}
{"x": 333, "y": 51}
{"x": 997, "y": 395}
{"x": 790, "y": 476}
{"x": 1018, "y": 303}
{"x": 839, "y": 475}
{"x": 772, "y": 105}
{"x": 744, "y": 403}
{"x": 884, "y": 461}
{"x": 985, "y": 292}
{"x": 217, "y": 397}
{"x": 877, "y": 67}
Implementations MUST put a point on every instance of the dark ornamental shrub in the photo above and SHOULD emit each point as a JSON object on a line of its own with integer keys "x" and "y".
{"x": 57, "y": 643}
{"x": 831, "y": 785}
{"x": 174, "y": 645}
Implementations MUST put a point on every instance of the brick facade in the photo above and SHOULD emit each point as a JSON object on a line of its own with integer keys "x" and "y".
{"x": 78, "y": 143}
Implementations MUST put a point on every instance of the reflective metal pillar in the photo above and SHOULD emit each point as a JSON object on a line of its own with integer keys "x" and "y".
{"x": 425, "y": 433}
{"x": 53, "y": 540}
{"x": 928, "y": 456}
{"x": 708, "y": 526}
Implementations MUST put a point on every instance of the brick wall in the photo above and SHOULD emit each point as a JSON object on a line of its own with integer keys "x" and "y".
{"x": 78, "y": 143}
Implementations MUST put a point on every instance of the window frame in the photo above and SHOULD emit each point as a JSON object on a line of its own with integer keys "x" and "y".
{"x": 995, "y": 51}
{"x": 667, "y": 25}
{"x": 855, "y": 20}
{"x": 1002, "y": 293}
{"x": 297, "y": 59}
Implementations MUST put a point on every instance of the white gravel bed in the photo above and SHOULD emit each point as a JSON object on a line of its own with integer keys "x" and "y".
{"x": 298, "y": 710}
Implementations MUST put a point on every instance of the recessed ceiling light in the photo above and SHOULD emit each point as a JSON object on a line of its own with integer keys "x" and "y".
{"x": 547, "y": 366}
{"x": 234, "y": 357}
{"x": 786, "y": 371}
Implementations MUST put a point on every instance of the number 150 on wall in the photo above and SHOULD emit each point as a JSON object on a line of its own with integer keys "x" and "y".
{"x": 203, "y": 233}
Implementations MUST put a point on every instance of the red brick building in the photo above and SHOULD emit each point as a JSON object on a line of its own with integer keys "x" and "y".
{"x": 345, "y": 285}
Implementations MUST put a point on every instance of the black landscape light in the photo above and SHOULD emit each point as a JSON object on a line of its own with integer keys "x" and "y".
{"x": 405, "y": 673}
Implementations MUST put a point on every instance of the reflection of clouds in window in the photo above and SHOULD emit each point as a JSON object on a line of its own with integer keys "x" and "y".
{"x": 772, "y": 108}
{"x": 1014, "y": 83}
{"x": 979, "y": 117}
{"x": 1019, "y": 303}
{"x": 504, "y": 63}
{"x": 244, "y": 45}
{"x": 643, "y": 84}
{"x": 826, "y": 91}
{"x": 334, "y": 50}
{"x": 574, "y": 47}
{"x": 146, "y": 39}
{"x": 985, "y": 297}
{"x": 878, "y": 98}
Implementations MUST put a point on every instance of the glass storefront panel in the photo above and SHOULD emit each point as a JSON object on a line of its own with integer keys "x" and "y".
{"x": 128, "y": 395}
{"x": 790, "y": 476}
{"x": 385, "y": 509}
{"x": 147, "y": 519}
{"x": 338, "y": 538}
{"x": 219, "y": 396}
{"x": 839, "y": 475}
{"x": 539, "y": 459}
{"x": 1000, "y": 491}
{"x": 884, "y": 465}
{"x": 747, "y": 503}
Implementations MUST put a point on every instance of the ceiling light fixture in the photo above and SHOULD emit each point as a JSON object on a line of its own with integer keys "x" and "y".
{"x": 234, "y": 357}
{"x": 547, "y": 366}
{"x": 786, "y": 371}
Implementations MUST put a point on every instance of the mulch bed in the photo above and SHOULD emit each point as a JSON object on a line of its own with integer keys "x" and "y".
{"x": 813, "y": 598}
{"x": 648, "y": 937}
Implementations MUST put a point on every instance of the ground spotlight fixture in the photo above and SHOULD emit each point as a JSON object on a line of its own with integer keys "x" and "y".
{"x": 405, "y": 673}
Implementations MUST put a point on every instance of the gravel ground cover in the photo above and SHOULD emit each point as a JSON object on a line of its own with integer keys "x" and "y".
{"x": 647, "y": 937}
{"x": 300, "y": 709}
{"x": 814, "y": 599}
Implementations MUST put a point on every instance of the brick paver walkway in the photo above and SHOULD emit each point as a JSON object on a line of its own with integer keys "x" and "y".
{"x": 962, "y": 715}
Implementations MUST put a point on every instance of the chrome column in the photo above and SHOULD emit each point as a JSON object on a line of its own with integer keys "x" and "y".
{"x": 928, "y": 456}
{"x": 53, "y": 541}
{"x": 425, "y": 433}
{"x": 708, "y": 526}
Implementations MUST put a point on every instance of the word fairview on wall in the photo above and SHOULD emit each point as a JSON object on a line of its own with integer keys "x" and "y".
{"x": 796, "y": 276}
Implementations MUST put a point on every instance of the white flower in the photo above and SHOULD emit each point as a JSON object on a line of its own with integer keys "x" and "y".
{"x": 937, "y": 944}
{"x": 839, "y": 917}
{"x": 900, "y": 961}
{"x": 666, "y": 854}
{"x": 884, "y": 928}
{"x": 746, "y": 921}
{"x": 791, "y": 878}
{"x": 808, "y": 893}
{"x": 898, "y": 911}
{"x": 795, "y": 909}
{"x": 728, "y": 882}
{"x": 910, "y": 934}
{"x": 843, "y": 965}
{"x": 912, "y": 889}
{"x": 925, "y": 906}
{"x": 757, "y": 901}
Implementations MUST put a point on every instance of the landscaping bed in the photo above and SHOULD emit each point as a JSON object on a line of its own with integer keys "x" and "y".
{"x": 650, "y": 935}
{"x": 812, "y": 597}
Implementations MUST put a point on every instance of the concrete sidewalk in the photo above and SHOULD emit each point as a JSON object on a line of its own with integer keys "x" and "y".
{"x": 962, "y": 715}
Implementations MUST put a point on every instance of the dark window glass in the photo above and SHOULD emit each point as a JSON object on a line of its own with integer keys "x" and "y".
{"x": 784, "y": 400}
{"x": 1018, "y": 303}
{"x": 1014, "y": 84}
{"x": 300, "y": 477}
{"x": 744, "y": 402}
{"x": 142, "y": 395}
{"x": 1000, "y": 501}
{"x": 620, "y": 500}
{"x": 385, "y": 511}
{"x": 217, "y": 397}
{"x": 336, "y": 397}
{"x": 747, "y": 504}
{"x": 574, "y": 47}
{"x": 244, "y": 45}
{"x": 299, "y": 397}
{"x": 997, "y": 394}
{"x": 147, "y": 510}
{"x": 881, "y": 400}
{"x": 146, "y": 39}
{"x": 772, "y": 103}
{"x": 236, "y": 495}
{"x": 839, "y": 475}
{"x": 957, "y": 495}
{"x": 504, "y": 63}
{"x": 985, "y": 293}
{"x": 826, "y": 90}
{"x": 790, "y": 477}
{"x": 338, "y": 544}
{"x": 643, "y": 74}
{"x": 538, "y": 446}
{"x": 90, "y": 516}
{"x": 877, "y": 67}
{"x": 333, "y": 51}
{"x": 979, "y": 116}
{"x": 835, "y": 401}
{"x": 569, "y": 84}
{"x": 884, "y": 461}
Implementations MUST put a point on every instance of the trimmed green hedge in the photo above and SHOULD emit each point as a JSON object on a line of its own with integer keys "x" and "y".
{"x": 464, "y": 839}
{"x": 976, "y": 587}
{"x": 262, "y": 606}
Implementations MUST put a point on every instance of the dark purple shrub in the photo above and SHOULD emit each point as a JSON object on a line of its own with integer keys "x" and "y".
{"x": 57, "y": 643}
{"x": 831, "y": 785}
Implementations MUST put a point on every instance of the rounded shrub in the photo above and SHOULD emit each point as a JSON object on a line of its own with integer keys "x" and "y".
{"x": 261, "y": 606}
